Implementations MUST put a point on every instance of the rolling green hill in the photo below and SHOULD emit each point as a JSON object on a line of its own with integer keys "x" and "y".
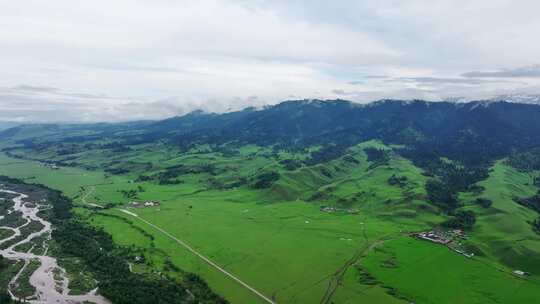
{"x": 311, "y": 202}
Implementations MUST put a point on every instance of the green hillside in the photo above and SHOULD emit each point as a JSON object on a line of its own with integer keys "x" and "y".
{"x": 257, "y": 213}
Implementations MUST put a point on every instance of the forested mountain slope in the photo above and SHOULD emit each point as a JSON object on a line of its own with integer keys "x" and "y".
{"x": 473, "y": 132}
{"x": 331, "y": 191}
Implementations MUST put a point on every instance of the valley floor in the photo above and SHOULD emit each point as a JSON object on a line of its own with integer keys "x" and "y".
{"x": 290, "y": 251}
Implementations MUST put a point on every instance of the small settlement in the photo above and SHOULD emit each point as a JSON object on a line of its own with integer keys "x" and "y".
{"x": 451, "y": 239}
{"x": 330, "y": 209}
{"x": 50, "y": 165}
{"x": 144, "y": 204}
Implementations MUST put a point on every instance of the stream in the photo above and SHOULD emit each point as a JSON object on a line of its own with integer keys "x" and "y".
{"x": 48, "y": 288}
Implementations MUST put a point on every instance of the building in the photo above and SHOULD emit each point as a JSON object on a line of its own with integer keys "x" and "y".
{"x": 434, "y": 236}
{"x": 328, "y": 209}
{"x": 151, "y": 203}
{"x": 136, "y": 205}
{"x": 521, "y": 273}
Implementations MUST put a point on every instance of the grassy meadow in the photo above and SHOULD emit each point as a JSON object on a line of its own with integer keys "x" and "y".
{"x": 434, "y": 274}
{"x": 278, "y": 240}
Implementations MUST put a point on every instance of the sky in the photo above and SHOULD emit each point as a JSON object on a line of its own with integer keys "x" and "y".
{"x": 72, "y": 60}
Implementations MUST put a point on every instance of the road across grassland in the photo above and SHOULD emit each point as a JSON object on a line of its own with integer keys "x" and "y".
{"x": 202, "y": 257}
{"x": 85, "y": 196}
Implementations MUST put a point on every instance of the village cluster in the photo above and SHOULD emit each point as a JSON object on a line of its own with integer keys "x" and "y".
{"x": 330, "y": 209}
{"x": 50, "y": 165}
{"x": 451, "y": 239}
{"x": 144, "y": 204}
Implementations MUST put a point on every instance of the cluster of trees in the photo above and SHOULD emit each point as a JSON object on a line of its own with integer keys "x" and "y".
{"x": 227, "y": 150}
{"x": 4, "y": 296}
{"x": 536, "y": 225}
{"x": 117, "y": 170}
{"x": 132, "y": 193}
{"x": 530, "y": 202}
{"x": 350, "y": 159}
{"x": 459, "y": 176}
{"x": 483, "y": 202}
{"x": 124, "y": 167}
{"x": 463, "y": 219}
{"x": 116, "y": 147}
{"x": 172, "y": 181}
{"x": 214, "y": 183}
{"x": 400, "y": 181}
{"x": 451, "y": 178}
{"x": 170, "y": 175}
{"x": 526, "y": 161}
{"x": 265, "y": 180}
{"x": 327, "y": 153}
{"x": 325, "y": 171}
{"x": 441, "y": 194}
{"x": 534, "y": 204}
{"x": 377, "y": 157}
{"x": 291, "y": 164}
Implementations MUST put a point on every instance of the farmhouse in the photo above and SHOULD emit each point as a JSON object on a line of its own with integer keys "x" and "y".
{"x": 50, "y": 166}
{"x": 151, "y": 203}
{"x": 135, "y": 204}
{"x": 328, "y": 209}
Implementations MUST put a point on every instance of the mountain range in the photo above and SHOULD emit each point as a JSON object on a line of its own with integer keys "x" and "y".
{"x": 473, "y": 133}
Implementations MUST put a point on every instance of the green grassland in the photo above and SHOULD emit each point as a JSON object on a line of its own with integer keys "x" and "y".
{"x": 503, "y": 232}
{"x": 277, "y": 240}
{"x": 434, "y": 274}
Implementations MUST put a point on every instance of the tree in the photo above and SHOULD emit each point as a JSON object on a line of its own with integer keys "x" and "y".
{"x": 441, "y": 195}
{"x": 464, "y": 219}
{"x": 484, "y": 202}
{"x": 266, "y": 180}
{"x": 536, "y": 225}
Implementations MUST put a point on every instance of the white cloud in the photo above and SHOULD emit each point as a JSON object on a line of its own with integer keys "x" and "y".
{"x": 532, "y": 71}
{"x": 163, "y": 57}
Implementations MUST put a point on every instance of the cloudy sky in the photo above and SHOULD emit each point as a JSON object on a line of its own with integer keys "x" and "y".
{"x": 113, "y": 60}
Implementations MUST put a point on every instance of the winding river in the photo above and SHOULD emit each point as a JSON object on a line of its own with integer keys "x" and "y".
{"x": 48, "y": 288}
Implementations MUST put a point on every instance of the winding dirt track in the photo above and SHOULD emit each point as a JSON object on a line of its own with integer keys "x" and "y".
{"x": 48, "y": 289}
{"x": 204, "y": 258}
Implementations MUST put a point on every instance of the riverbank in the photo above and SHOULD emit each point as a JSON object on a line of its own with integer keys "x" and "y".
{"x": 49, "y": 281}
{"x": 35, "y": 217}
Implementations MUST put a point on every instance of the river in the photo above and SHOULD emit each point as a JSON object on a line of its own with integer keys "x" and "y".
{"x": 48, "y": 289}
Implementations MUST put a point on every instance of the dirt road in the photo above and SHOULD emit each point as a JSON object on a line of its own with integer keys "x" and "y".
{"x": 204, "y": 258}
